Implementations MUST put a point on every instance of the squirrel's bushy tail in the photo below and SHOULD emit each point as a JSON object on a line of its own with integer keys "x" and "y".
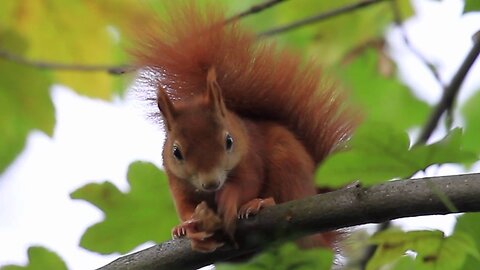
{"x": 258, "y": 80}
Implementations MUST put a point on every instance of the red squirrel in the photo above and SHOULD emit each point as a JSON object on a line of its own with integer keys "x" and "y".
{"x": 246, "y": 123}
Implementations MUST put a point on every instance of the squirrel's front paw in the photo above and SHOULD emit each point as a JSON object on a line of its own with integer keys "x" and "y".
{"x": 254, "y": 206}
{"x": 200, "y": 229}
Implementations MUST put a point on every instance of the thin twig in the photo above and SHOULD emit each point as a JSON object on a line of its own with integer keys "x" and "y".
{"x": 450, "y": 93}
{"x": 319, "y": 17}
{"x": 120, "y": 69}
{"x": 114, "y": 70}
{"x": 254, "y": 9}
{"x": 371, "y": 249}
{"x": 397, "y": 17}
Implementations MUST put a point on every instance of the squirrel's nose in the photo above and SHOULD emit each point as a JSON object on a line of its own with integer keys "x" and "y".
{"x": 210, "y": 186}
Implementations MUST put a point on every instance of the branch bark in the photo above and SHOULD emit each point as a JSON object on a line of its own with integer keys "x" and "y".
{"x": 329, "y": 211}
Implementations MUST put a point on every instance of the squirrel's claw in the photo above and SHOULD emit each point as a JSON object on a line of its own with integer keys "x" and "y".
{"x": 200, "y": 228}
{"x": 181, "y": 230}
{"x": 254, "y": 206}
{"x": 199, "y": 240}
{"x": 178, "y": 232}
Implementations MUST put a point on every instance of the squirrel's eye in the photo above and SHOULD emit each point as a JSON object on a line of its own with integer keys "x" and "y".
{"x": 228, "y": 142}
{"x": 177, "y": 153}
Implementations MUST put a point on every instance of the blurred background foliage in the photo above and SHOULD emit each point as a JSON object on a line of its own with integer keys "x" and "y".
{"x": 49, "y": 42}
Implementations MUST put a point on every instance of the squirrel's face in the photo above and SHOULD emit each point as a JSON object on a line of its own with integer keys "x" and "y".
{"x": 204, "y": 140}
{"x": 203, "y": 147}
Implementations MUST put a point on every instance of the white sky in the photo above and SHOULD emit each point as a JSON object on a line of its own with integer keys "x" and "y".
{"x": 96, "y": 141}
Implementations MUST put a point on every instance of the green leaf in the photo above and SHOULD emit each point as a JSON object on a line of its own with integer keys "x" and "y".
{"x": 400, "y": 237}
{"x": 39, "y": 258}
{"x": 145, "y": 213}
{"x": 470, "y": 264}
{"x": 471, "y": 5}
{"x": 393, "y": 244}
{"x": 287, "y": 256}
{"x": 56, "y": 36}
{"x": 468, "y": 225}
{"x": 434, "y": 250}
{"x": 454, "y": 252}
{"x": 378, "y": 152}
{"x": 404, "y": 263}
{"x": 42, "y": 31}
{"x": 317, "y": 39}
{"x": 382, "y": 98}
{"x": 25, "y": 104}
{"x": 471, "y": 112}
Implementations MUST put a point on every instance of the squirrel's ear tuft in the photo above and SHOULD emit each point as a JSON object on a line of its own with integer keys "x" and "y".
{"x": 214, "y": 92}
{"x": 166, "y": 108}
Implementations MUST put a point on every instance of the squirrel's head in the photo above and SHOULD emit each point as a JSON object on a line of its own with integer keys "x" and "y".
{"x": 204, "y": 140}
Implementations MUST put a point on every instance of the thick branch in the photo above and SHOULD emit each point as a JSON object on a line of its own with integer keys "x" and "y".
{"x": 319, "y": 17}
{"x": 339, "y": 209}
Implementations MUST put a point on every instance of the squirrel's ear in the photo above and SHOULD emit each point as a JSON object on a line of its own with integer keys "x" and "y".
{"x": 166, "y": 108}
{"x": 214, "y": 92}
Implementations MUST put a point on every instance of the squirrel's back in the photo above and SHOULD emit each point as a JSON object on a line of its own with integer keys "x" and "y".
{"x": 258, "y": 80}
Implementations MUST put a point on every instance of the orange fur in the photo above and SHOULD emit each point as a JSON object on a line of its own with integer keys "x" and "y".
{"x": 220, "y": 81}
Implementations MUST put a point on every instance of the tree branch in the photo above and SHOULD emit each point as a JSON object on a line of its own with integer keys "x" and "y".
{"x": 444, "y": 104}
{"x": 121, "y": 69}
{"x": 397, "y": 17}
{"x": 114, "y": 70}
{"x": 319, "y": 17}
{"x": 254, "y": 9}
{"x": 329, "y": 211}
{"x": 450, "y": 92}
{"x": 110, "y": 69}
